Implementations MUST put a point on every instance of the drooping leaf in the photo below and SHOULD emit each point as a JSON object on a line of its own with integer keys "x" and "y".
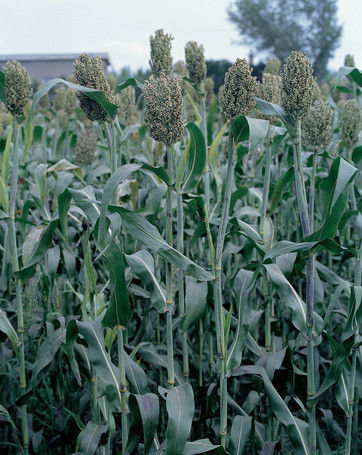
{"x": 89, "y": 437}
{"x": 148, "y": 234}
{"x": 195, "y": 301}
{"x": 149, "y": 409}
{"x": 196, "y": 159}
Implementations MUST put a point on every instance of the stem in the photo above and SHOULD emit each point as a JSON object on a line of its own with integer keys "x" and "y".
{"x": 111, "y": 139}
{"x": 181, "y": 280}
{"x": 15, "y": 264}
{"x": 169, "y": 239}
{"x": 122, "y": 387}
{"x": 219, "y": 312}
{"x": 206, "y": 177}
{"x": 306, "y": 227}
{"x": 351, "y": 388}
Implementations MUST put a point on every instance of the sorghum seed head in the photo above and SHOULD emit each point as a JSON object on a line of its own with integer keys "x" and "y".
{"x": 317, "y": 94}
{"x": 161, "y": 60}
{"x": 163, "y": 108}
{"x": 272, "y": 66}
{"x": 317, "y": 125}
{"x": 236, "y": 96}
{"x": 350, "y": 123}
{"x": 17, "y": 87}
{"x": 127, "y": 111}
{"x": 89, "y": 72}
{"x": 209, "y": 85}
{"x": 180, "y": 68}
{"x": 85, "y": 151}
{"x": 4, "y": 119}
{"x": 195, "y": 61}
{"x": 270, "y": 89}
{"x": 349, "y": 60}
{"x": 297, "y": 84}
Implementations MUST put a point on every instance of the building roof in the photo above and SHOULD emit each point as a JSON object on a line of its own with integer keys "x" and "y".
{"x": 51, "y": 57}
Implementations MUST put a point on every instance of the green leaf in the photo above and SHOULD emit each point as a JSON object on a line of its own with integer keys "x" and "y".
{"x": 195, "y": 301}
{"x": 151, "y": 355}
{"x": 240, "y": 431}
{"x": 334, "y": 194}
{"x": 106, "y": 371}
{"x": 243, "y": 284}
{"x": 180, "y": 408}
{"x": 200, "y": 446}
{"x": 142, "y": 265}
{"x": 116, "y": 178}
{"x": 89, "y": 438}
{"x": 353, "y": 73}
{"x": 297, "y": 429}
{"x": 289, "y": 297}
{"x": 94, "y": 94}
{"x": 196, "y": 159}
{"x": 149, "y": 408}
{"x": 148, "y": 234}
{"x": 65, "y": 165}
{"x": 49, "y": 347}
{"x": 238, "y": 194}
{"x": 4, "y": 195}
{"x": 211, "y": 117}
{"x": 285, "y": 247}
{"x": 279, "y": 189}
{"x": 130, "y": 82}
{"x": 7, "y": 328}
{"x": 265, "y": 107}
{"x": 119, "y": 312}
{"x": 64, "y": 200}
{"x": 159, "y": 171}
{"x": 240, "y": 129}
{"x": 135, "y": 375}
{"x": 258, "y": 129}
{"x": 5, "y": 414}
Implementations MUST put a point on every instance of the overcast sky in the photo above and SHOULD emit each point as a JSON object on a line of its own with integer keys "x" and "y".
{"x": 122, "y": 28}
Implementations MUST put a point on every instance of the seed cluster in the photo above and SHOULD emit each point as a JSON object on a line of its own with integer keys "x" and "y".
{"x": 350, "y": 123}
{"x": 236, "y": 96}
{"x": 297, "y": 85}
{"x": 272, "y": 66}
{"x": 85, "y": 152}
{"x": 17, "y": 87}
{"x": 161, "y": 60}
{"x": 89, "y": 72}
{"x": 127, "y": 112}
{"x": 195, "y": 61}
{"x": 349, "y": 60}
{"x": 317, "y": 125}
{"x": 163, "y": 108}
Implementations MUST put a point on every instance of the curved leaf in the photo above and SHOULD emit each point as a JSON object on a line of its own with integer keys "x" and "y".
{"x": 240, "y": 431}
{"x": 148, "y": 405}
{"x": 196, "y": 161}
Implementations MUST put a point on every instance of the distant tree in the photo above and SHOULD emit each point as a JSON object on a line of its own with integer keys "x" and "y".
{"x": 277, "y": 27}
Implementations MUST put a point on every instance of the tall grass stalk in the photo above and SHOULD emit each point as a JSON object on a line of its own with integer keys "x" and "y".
{"x": 15, "y": 265}
{"x": 306, "y": 229}
{"x": 169, "y": 299}
{"x": 219, "y": 311}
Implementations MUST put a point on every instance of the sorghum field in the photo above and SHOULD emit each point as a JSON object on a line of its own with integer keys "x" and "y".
{"x": 180, "y": 272}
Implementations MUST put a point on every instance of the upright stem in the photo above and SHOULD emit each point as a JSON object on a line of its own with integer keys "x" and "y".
{"x": 351, "y": 389}
{"x": 111, "y": 139}
{"x": 15, "y": 264}
{"x": 181, "y": 282}
{"x": 306, "y": 227}
{"x": 206, "y": 177}
{"x": 169, "y": 239}
{"x": 122, "y": 386}
{"x": 219, "y": 312}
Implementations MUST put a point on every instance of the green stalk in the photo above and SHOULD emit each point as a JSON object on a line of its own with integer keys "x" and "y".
{"x": 169, "y": 239}
{"x": 111, "y": 139}
{"x": 219, "y": 312}
{"x": 306, "y": 226}
{"x": 15, "y": 265}
{"x": 206, "y": 177}
{"x": 181, "y": 282}
{"x": 122, "y": 386}
{"x": 351, "y": 389}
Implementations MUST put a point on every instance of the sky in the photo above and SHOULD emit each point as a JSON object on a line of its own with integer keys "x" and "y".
{"x": 122, "y": 28}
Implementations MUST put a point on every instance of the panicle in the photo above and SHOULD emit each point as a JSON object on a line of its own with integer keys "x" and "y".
{"x": 127, "y": 111}
{"x": 297, "y": 85}
{"x": 272, "y": 66}
{"x": 17, "y": 87}
{"x": 349, "y": 60}
{"x": 270, "y": 89}
{"x": 236, "y": 96}
{"x": 161, "y": 60}
{"x": 195, "y": 61}
{"x": 317, "y": 125}
{"x": 89, "y": 72}
{"x": 85, "y": 152}
{"x": 163, "y": 108}
{"x": 350, "y": 123}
